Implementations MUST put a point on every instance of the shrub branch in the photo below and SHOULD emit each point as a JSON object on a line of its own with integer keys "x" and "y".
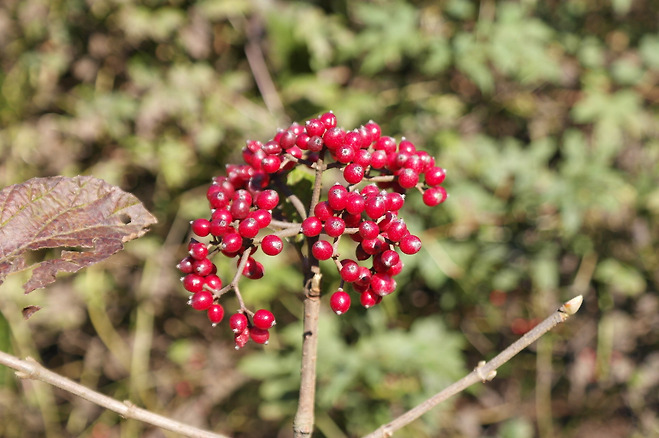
{"x": 485, "y": 371}
{"x": 31, "y": 369}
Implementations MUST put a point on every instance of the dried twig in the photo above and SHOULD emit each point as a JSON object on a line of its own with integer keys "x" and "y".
{"x": 484, "y": 372}
{"x": 31, "y": 369}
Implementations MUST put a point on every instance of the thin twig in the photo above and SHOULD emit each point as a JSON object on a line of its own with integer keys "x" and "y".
{"x": 30, "y": 369}
{"x": 485, "y": 371}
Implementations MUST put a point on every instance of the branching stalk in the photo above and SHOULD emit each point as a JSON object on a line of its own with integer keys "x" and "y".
{"x": 30, "y": 369}
{"x": 485, "y": 371}
{"x": 304, "y": 418}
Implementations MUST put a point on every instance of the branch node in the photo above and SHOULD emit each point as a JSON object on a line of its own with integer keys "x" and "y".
{"x": 484, "y": 377}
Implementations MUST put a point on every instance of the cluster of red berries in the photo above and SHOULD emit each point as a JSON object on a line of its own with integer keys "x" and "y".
{"x": 377, "y": 171}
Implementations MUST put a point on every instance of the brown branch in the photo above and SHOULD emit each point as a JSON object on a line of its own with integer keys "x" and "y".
{"x": 484, "y": 372}
{"x": 30, "y": 369}
{"x": 303, "y": 423}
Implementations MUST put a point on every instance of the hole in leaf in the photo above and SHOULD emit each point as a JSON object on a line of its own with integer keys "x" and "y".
{"x": 126, "y": 219}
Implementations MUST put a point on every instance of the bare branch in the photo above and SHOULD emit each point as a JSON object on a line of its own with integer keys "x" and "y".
{"x": 485, "y": 371}
{"x": 30, "y": 369}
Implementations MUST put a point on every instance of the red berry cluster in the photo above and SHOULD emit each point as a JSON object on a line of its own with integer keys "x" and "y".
{"x": 246, "y": 214}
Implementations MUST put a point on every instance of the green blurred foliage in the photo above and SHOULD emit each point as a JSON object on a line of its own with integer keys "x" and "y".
{"x": 544, "y": 113}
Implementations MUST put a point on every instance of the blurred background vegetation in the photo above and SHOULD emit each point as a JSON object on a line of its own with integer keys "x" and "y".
{"x": 545, "y": 114}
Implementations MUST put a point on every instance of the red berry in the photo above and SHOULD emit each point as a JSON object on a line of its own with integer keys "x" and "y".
{"x": 213, "y": 282}
{"x": 372, "y": 246}
{"x": 267, "y": 199}
{"x": 373, "y": 130}
{"x": 410, "y": 244}
{"x": 337, "y": 197}
{"x": 406, "y": 146}
{"x": 386, "y": 144}
{"x": 264, "y": 319}
{"x": 340, "y": 302}
{"x": 369, "y": 230}
{"x": 271, "y": 163}
{"x": 259, "y": 336}
{"x": 314, "y": 127}
{"x": 353, "y": 173}
{"x": 334, "y": 137}
{"x": 378, "y": 159}
{"x": 434, "y": 196}
{"x": 334, "y": 226}
{"x": 241, "y": 339}
{"x": 322, "y": 250}
{"x": 350, "y": 271}
{"x": 219, "y": 227}
{"x": 232, "y": 242}
{"x": 369, "y": 298}
{"x": 375, "y": 206}
{"x": 186, "y": 265}
{"x": 272, "y": 245}
{"x": 201, "y": 300}
{"x": 435, "y": 176}
{"x": 382, "y": 284}
{"x": 389, "y": 258}
{"x": 315, "y": 144}
{"x": 395, "y": 201}
{"x": 311, "y": 226}
{"x": 198, "y": 250}
{"x": 363, "y": 158}
{"x": 323, "y": 211}
{"x": 193, "y": 283}
{"x": 201, "y": 227}
{"x": 249, "y": 228}
{"x": 287, "y": 139}
{"x": 240, "y": 208}
{"x": 397, "y": 230}
{"x": 203, "y": 267}
{"x": 215, "y": 314}
{"x": 328, "y": 120}
{"x": 253, "y": 270}
{"x": 408, "y": 178}
{"x": 355, "y": 204}
{"x": 344, "y": 154}
{"x": 263, "y": 217}
{"x": 238, "y": 322}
